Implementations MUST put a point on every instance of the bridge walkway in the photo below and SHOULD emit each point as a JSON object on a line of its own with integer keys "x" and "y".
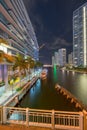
{"x": 20, "y": 127}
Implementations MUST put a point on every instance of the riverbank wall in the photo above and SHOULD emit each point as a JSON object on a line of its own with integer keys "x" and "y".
{"x": 15, "y": 99}
{"x": 74, "y": 71}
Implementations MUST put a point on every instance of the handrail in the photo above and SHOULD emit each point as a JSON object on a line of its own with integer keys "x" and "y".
{"x": 43, "y": 118}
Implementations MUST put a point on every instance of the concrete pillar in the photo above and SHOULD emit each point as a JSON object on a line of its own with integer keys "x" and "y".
{"x": 81, "y": 121}
{"x": 53, "y": 119}
{"x": 72, "y": 100}
{"x": 85, "y": 119}
{"x": 4, "y": 115}
{"x": 6, "y": 76}
{"x": 0, "y": 73}
{"x": 27, "y": 116}
{"x": 68, "y": 96}
{"x": 1, "y": 114}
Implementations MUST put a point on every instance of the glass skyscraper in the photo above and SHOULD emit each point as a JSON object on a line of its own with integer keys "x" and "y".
{"x": 62, "y": 56}
{"x": 80, "y": 36}
{"x": 17, "y": 30}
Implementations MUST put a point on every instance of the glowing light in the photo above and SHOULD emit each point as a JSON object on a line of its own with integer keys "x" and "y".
{"x": 3, "y": 48}
{"x": 63, "y": 71}
{"x": 55, "y": 73}
{"x": 73, "y": 72}
{"x": 84, "y": 28}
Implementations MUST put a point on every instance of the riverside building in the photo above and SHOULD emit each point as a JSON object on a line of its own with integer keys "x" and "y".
{"x": 62, "y": 56}
{"x": 80, "y": 36}
{"x": 70, "y": 58}
{"x": 17, "y": 30}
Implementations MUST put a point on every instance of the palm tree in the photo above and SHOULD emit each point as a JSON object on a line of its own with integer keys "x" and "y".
{"x": 1, "y": 56}
{"x": 38, "y": 64}
{"x": 6, "y": 60}
{"x": 20, "y": 63}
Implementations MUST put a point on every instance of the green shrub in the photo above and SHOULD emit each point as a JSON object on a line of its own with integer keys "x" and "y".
{"x": 18, "y": 89}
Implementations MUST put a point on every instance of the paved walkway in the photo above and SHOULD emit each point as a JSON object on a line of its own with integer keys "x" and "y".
{"x": 10, "y": 92}
{"x": 20, "y": 127}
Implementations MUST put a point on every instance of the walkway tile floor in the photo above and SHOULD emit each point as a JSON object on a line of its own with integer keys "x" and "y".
{"x": 5, "y": 96}
{"x": 20, "y": 127}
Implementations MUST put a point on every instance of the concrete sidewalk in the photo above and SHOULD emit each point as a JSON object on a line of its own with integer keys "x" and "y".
{"x": 21, "y": 127}
{"x": 10, "y": 92}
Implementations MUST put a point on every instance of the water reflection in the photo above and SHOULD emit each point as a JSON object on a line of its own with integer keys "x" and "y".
{"x": 55, "y": 76}
{"x": 44, "y": 96}
{"x": 82, "y": 88}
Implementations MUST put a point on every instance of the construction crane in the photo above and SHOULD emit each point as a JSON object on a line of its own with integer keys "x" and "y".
{"x": 41, "y": 46}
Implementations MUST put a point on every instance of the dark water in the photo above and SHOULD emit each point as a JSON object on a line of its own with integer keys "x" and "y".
{"x": 43, "y": 94}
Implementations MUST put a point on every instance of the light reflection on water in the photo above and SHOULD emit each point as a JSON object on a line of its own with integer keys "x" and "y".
{"x": 44, "y": 96}
{"x": 76, "y": 83}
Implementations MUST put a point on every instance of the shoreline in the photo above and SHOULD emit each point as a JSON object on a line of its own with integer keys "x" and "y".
{"x": 76, "y": 71}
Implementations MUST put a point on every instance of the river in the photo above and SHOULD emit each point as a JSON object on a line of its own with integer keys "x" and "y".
{"x": 43, "y": 94}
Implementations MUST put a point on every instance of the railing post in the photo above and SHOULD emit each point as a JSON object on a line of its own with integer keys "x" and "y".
{"x": 1, "y": 114}
{"x": 27, "y": 117}
{"x": 81, "y": 120}
{"x": 85, "y": 119}
{"x": 4, "y": 115}
{"x": 53, "y": 119}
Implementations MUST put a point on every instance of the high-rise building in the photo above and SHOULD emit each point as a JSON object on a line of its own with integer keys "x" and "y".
{"x": 62, "y": 56}
{"x": 56, "y": 58}
{"x": 59, "y": 57}
{"x": 17, "y": 30}
{"x": 80, "y": 36}
{"x": 70, "y": 58}
{"x": 53, "y": 60}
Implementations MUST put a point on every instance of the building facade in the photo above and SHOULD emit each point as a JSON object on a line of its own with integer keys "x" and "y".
{"x": 70, "y": 58}
{"x": 59, "y": 57}
{"x": 53, "y": 60}
{"x": 17, "y": 30}
{"x": 62, "y": 56}
{"x": 17, "y": 35}
{"x": 80, "y": 36}
{"x": 56, "y": 55}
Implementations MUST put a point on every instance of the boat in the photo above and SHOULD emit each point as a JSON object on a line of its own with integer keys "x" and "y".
{"x": 43, "y": 74}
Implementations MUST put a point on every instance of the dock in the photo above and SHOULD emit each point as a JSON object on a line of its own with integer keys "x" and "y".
{"x": 71, "y": 97}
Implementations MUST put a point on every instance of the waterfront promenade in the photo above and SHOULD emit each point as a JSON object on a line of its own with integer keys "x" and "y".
{"x": 10, "y": 92}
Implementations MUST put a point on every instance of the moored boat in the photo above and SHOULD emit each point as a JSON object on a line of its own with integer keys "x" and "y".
{"x": 43, "y": 74}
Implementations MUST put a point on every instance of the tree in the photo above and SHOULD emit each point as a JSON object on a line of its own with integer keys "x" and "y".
{"x": 3, "y": 41}
{"x": 38, "y": 64}
{"x": 20, "y": 63}
{"x": 1, "y": 56}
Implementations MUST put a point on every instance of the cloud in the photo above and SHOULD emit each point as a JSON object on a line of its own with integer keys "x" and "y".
{"x": 58, "y": 43}
{"x": 31, "y": 4}
{"x": 37, "y": 23}
{"x": 34, "y": 17}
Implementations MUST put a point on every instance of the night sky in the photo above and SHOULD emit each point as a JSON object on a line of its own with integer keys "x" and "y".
{"x": 52, "y": 22}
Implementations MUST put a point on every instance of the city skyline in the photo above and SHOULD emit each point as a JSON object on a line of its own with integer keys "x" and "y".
{"x": 80, "y": 36}
{"x": 52, "y": 22}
